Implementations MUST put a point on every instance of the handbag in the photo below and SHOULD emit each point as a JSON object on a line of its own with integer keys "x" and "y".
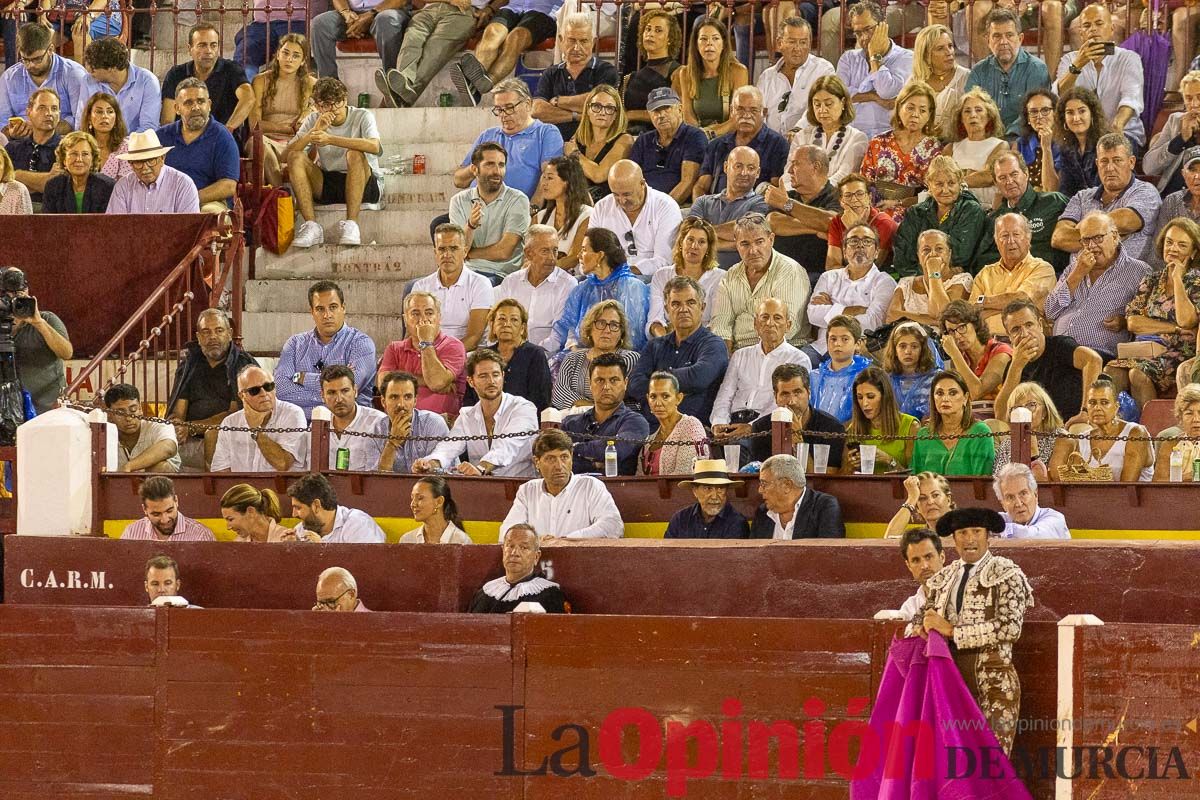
{"x": 1076, "y": 470}
{"x": 276, "y": 220}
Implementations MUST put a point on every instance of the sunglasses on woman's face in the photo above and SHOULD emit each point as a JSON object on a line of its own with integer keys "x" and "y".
{"x": 254, "y": 391}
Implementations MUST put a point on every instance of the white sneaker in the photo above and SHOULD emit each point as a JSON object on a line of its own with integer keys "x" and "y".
{"x": 349, "y": 234}
{"x": 310, "y": 233}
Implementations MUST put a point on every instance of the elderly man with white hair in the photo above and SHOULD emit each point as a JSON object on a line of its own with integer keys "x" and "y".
{"x": 540, "y": 286}
{"x": 791, "y": 510}
{"x": 338, "y": 591}
{"x": 522, "y": 581}
{"x": 1017, "y": 491}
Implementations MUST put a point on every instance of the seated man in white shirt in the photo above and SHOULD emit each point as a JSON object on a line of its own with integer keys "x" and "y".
{"x": 497, "y": 412}
{"x": 922, "y": 552}
{"x": 645, "y": 219}
{"x": 1017, "y": 490}
{"x": 859, "y": 289}
{"x": 142, "y": 445}
{"x": 561, "y": 504}
{"x": 540, "y": 286}
{"x": 267, "y": 448}
{"x": 746, "y": 393}
{"x": 338, "y": 391}
{"x": 314, "y": 503}
{"x": 464, "y": 296}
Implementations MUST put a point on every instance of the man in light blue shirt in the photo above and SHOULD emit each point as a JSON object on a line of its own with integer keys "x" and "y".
{"x": 331, "y": 341}
{"x": 1017, "y": 491}
{"x": 875, "y": 70}
{"x": 528, "y": 142}
{"x": 1010, "y": 72}
{"x": 136, "y": 89}
{"x": 39, "y": 68}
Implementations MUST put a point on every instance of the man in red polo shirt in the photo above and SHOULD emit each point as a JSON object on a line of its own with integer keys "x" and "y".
{"x": 435, "y": 358}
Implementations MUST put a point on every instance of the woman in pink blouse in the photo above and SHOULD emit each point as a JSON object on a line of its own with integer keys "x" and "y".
{"x": 896, "y": 161}
{"x": 658, "y": 458}
{"x": 102, "y": 118}
{"x": 14, "y": 197}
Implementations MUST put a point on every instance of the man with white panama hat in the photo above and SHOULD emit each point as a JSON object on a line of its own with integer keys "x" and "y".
{"x": 153, "y": 188}
{"x": 712, "y": 516}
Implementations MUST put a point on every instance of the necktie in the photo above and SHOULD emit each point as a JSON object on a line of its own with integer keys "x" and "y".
{"x": 962, "y": 587}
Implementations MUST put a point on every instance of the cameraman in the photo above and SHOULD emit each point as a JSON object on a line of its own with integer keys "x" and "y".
{"x": 41, "y": 345}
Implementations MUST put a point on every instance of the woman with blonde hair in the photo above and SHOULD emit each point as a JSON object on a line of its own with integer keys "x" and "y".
{"x": 1046, "y": 424}
{"x": 605, "y": 329}
{"x": 282, "y": 97}
{"x": 896, "y": 161}
{"x": 911, "y": 362}
{"x": 975, "y": 139}
{"x": 928, "y": 500}
{"x": 254, "y": 514}
{"x": 14, "y": 197}
{"x": 79, "y": 188}
{"x": 829, "y": 115}
{"x": 104, "y": 120}
{"x": 1187, "y": 418}
{"x": 601, "y": 139}
{"x": 934, "y": 63}
{"x": 695, "y": 257}
{"x": 526, "y": 369}
{"x": 707, "y": 82}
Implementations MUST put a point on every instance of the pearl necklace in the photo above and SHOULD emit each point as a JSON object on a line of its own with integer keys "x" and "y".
{"x": 837, "y": 141}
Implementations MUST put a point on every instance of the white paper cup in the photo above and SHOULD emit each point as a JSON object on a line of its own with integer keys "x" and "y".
{"x": 820, "y": 458}
{"x": 802, "y": 455}
{"x": 733, "y": 457}
{"x": 866, "y": 454}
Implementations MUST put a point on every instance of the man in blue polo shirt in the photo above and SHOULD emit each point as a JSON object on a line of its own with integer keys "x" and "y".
{"x": 528, "y": 142}
{"x": 39, "y": 68}
{"x": 751, "y": 131}
{"x": 136, "y": 89}
{"x": 1010, "y": 71}
{"x": 670, "y": 155}
{"x": 563, "y": 87}
{"x": 202, "y": 148}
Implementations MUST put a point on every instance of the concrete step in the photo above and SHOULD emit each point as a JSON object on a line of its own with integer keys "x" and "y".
{"x": 364, "y": 296}
{"x": 432, "y": 124}
{"x": 397, "y": 262}
{"x": 265, "y": 332}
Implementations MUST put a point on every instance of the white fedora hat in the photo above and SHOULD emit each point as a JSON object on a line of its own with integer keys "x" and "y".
{"x": 143, "y": 146}
{"x": 710, "y": 472}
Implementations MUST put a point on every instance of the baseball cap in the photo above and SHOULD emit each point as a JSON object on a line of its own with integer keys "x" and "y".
{"x": 1190, "y": 155}
{"x": 666, "y": 96}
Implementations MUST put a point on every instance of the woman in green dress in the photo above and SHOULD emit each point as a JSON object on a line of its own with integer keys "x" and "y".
{"x": 940, "y": 446}
{"x": 875, "y": 419}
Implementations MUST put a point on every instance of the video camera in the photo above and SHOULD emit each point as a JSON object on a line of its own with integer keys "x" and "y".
{"x": 13, "y": 304}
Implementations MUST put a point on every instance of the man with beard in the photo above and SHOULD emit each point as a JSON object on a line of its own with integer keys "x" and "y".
{"x": 143, "y": 445}
{"x": 712, "y": 516}
{"x": 496, "y": 413}
{"x": 858, "y": 290}
{"x": 201, "y": 147}
{"x": 978, "y": 603}
{"x": 493, "y": 214}
{"x": 560, "y": 503}
{"x": 922, "y": 552}
{"x": 163, "y": 520}
{"x": 349, "y": 418}
{"x": 406, "y": 422}
{"x": 39, "y": 68}
{"x": 205, "y": 388}
{"x": 521, "y": 582}
{"x": 315, "y": 504}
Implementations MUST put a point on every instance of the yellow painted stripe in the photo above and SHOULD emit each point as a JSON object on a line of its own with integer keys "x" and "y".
{"x": 488, "y": 532}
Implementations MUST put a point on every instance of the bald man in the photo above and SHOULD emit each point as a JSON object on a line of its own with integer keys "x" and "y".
{"x": 739, "y": 198}
{"x": 1116, "y": 79}
{"x": 643, "y": 218}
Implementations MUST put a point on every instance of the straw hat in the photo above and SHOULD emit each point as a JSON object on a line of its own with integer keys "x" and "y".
{"x": 143, "y": 146}
{"x": 710, "y": 472}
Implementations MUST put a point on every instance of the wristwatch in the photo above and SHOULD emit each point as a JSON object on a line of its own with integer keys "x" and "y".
{"x": 424, "y": 345}
{"x": 787, "y": 208}
{"x": 296, "y": 378}
{"x": 1074, "y": 70}
{"x": 937, "y": 275}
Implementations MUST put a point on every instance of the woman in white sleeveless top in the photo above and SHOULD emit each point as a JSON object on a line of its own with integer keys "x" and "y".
{"x": 1131, "y": 458}
{"x": 975, "y": 134}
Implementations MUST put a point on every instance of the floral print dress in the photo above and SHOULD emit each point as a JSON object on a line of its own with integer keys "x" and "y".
{"x": 886, "y": 161}
{"x": 1156, "y": 299}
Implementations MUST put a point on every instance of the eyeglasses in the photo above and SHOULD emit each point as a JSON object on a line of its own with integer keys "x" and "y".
{"x": 606, "y": 325}
{"x": 631, "y": 245}
{"x": 511, "y": 108}
{"x": 34, "y": 59}
{"x": 1037, "y": 112}
{"x": 254, "y": 391}
{"x": 600, "y": 108}
{"x": 862, "y": 32}
{"x": 334, "y": 106}
{"x": 1088, "y": 241}
{"x": 860, "y": 241}
{"x": 330, "y": 603}
{"x": 954, "y": 330}
{"x": 855, "y": 195}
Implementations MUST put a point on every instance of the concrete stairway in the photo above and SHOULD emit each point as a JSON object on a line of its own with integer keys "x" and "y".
{"x": 395, "y": 247}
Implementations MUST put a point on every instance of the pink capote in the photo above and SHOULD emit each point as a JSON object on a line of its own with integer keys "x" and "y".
{"x": 923, "y": 696}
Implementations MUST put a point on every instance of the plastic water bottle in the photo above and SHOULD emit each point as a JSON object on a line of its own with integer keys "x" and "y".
{"x": 1176, "y": 466}
{"x": 610, "y": 460}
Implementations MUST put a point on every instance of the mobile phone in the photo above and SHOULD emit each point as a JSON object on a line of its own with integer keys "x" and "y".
{"x": 1110, "y": 48}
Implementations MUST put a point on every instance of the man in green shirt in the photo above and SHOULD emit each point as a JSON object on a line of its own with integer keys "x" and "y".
{"x": 1042, "y": 209}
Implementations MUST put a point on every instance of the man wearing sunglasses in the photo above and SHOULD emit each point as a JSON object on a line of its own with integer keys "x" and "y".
{"x": 265, "y": 448}
{"x": 338, "y": 591}
{"x": 528, "y": 142}
{"x": 39, "y": 68}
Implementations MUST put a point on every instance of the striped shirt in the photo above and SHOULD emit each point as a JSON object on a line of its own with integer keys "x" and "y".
{"x": 573, "y": 382}
{"x": 425, "y": 424}
{"x": 186, "y": 530}
{"x": 733, "y": 314}
{"x": 1080, "y": 314}
{"x": 1139, "y": 197}
{"x": 305, "y": 354}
